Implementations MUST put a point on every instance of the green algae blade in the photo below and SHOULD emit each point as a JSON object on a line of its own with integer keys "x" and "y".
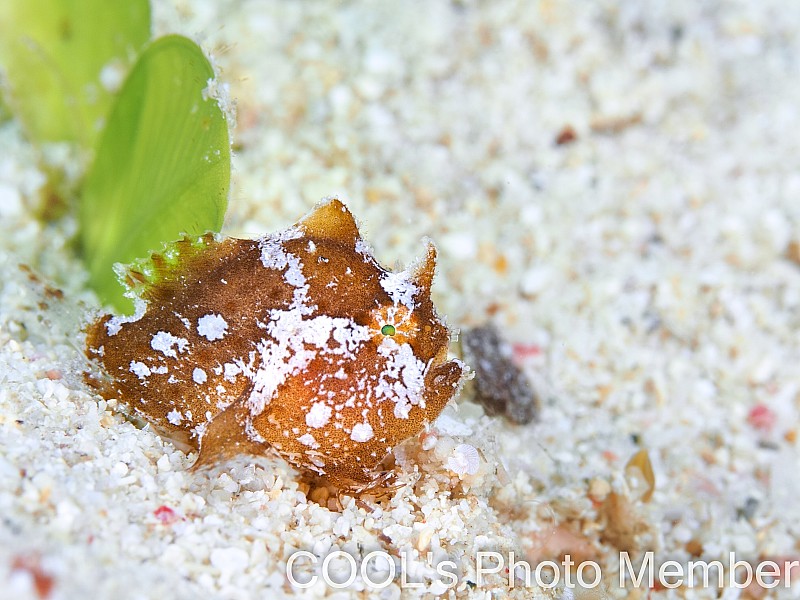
{"x": 61, "y": 58}
{"x": 162, "y": 166}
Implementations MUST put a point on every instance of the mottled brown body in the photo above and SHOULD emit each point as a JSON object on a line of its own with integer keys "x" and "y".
{"x": 281, "y": 342}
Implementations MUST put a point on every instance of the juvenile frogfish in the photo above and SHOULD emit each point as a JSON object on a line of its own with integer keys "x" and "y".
{"x": 297, "y": 341}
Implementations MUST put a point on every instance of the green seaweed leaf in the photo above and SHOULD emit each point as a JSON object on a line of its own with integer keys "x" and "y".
{"x": 5, "y": 112}
{"x": 162, "y": 167}
{"x": 56, "y": 54}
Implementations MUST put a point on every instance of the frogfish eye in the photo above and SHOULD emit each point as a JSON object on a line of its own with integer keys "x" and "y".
{"x": 388, "y": 329}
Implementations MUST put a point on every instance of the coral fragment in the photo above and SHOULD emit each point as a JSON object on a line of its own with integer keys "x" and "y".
{"x": 499, "y": 385}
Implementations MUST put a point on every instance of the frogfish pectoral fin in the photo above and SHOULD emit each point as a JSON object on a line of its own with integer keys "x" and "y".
{"x": 444, "y": 381}
{"x": 226, "y": 436}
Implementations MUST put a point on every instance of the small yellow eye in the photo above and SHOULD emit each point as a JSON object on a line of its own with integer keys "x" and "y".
{"x": 388, "y": 330}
